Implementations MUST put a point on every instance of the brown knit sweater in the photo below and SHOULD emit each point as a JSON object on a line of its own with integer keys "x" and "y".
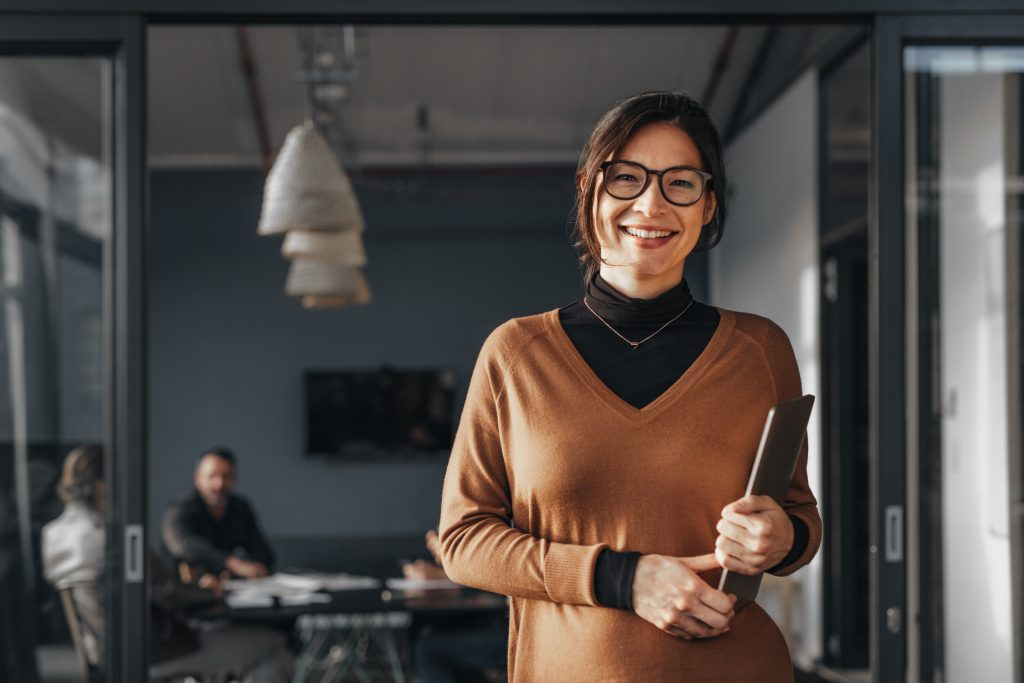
{"x": 549, "y": 467}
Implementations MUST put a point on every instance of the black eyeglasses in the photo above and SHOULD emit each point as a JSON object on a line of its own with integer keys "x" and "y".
{"x": 680, "y": 185}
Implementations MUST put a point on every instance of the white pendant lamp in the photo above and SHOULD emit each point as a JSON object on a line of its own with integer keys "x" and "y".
{"x": 330, "y": 246}
{"x": 306, "y": 189}
{"x": 334, "y": 300}
{"x": 327, "y": 282}
{"x": 308, "y": 197}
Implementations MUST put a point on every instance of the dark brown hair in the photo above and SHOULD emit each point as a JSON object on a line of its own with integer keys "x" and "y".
{"x": 611, "y": 133}
{"x": 83, "y": 469}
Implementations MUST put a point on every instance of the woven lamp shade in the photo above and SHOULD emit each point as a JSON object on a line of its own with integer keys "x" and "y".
{"x": 329, "y": 246}
{"x": 334, "y": 300}
{"x": 323, "y": 285}
{"x": 306, "y": 189}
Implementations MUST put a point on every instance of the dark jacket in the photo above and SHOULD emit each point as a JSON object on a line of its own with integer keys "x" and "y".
{"x": 192, "y": 535}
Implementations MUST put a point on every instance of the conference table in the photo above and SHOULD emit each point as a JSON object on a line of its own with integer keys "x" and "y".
{"x": 351, "y": 631}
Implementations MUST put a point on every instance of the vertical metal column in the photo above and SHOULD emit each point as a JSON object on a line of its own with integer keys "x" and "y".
{"x": 1014, "y": 355}
{"x": 126, "y": 292}
{"x": 886, "y": 360}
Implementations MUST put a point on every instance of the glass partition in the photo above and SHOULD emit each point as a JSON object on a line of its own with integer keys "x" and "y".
{"x": 963, "y": 188}
{"x": 55, "y": 226}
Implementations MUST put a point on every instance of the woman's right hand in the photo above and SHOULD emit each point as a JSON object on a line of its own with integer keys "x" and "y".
{"x": 668, "y": 593}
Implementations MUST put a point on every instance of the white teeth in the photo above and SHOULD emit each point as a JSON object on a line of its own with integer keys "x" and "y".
{"x": 647, "y": 234}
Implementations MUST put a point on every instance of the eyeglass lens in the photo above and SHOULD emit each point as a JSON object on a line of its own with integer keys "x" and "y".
{"x": 624, "y": 180}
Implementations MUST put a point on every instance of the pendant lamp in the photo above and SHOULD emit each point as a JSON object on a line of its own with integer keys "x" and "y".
{"x": 309, "y": 198}
{"x": 331, "y": 246}
{"x": 328, "y": 281}
{"x": 306, "y": 189}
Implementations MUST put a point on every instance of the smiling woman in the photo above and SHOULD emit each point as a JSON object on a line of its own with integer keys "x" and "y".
{"x": 686, "y": 199}
{"x": 598, "y": 470}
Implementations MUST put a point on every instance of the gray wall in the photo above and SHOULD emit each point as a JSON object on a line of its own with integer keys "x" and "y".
{"x": 768, "y": 264}
{"x": 227, "y": 348}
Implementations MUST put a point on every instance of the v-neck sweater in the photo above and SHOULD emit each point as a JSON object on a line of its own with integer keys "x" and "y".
{"x": 671, "y": 331}
{"x": 549, "y": 467}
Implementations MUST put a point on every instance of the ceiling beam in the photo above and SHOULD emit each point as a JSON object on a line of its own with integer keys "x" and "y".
{"x": 538, "y": 11}
{"x": 719, "y": 67}
{"x": 247, "y": 63}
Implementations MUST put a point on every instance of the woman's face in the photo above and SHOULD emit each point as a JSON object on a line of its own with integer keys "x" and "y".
{"x": 656, "y": 146}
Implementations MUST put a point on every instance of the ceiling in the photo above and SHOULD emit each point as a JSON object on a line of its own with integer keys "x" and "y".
{"x": 492, "y": 95}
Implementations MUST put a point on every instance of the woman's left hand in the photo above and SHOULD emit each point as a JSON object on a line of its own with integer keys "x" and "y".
{"x": 755, "y": 534}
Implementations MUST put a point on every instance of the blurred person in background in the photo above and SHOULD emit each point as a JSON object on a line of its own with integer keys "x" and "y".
{"x": 73, "y": 550}
{"x": 213, "y": 530}
{"x": 74, "y": 545}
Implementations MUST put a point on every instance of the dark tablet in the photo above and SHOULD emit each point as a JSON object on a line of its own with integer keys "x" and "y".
{"x": 781, "y": 439}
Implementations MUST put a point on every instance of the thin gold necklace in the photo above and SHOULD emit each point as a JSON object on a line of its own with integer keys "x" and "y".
{"x": 636, "y": 344}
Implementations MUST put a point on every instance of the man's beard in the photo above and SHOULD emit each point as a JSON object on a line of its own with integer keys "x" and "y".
{"x": 216, "y": 500}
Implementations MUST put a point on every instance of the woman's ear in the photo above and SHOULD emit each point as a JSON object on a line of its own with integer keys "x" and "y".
{"x": 709, "y": 208}
{"x": 580, "y": 181}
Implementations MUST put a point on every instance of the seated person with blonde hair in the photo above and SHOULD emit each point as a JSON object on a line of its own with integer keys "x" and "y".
{"x": 73, "y": 544}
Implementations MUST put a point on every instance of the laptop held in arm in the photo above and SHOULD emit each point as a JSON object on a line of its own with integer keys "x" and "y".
{"x": 783, "y": 434}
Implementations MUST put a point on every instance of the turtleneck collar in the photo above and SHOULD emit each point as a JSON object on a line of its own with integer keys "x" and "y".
{"x": 616, "y": 307}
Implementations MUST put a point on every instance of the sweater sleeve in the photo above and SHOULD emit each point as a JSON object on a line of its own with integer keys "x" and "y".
{"x": 480, "y": 545}
{"x": 800, "y": 501}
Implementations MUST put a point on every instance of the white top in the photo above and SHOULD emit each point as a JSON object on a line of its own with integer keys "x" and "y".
{"x": 74, "y": 546}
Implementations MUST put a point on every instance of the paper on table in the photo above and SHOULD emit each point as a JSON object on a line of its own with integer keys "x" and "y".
{"x": 420, "y": 584}
{"x": 282, "y": 584}
{"x": 245, "y": 600}
{"x": 307, "y": 599}
{"x": 343, "y": 582}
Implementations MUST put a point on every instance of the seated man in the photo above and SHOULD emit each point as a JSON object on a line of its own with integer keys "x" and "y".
{"x": 73, "y": 550}
{"x": 211, "y": 529}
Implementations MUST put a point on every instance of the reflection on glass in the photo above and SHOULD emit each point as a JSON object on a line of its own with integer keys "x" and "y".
{"x": 965, "y": 105}
{"x": 55, "y": 204}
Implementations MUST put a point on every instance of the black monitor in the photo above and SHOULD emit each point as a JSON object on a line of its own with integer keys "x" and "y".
{"x": 384, "y": 412}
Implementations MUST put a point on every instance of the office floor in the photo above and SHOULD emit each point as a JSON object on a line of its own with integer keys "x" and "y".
{"x": 57, "y": 664}
{"x": 833, "y": 676}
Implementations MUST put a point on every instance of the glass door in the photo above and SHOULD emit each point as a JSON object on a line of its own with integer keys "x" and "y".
{"x": 72, "y": 484}
{"x": 55, "y": 228}
{"x": 964, "y": 124}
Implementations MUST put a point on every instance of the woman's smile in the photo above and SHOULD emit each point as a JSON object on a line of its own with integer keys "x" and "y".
{"x": 648, "y": 237}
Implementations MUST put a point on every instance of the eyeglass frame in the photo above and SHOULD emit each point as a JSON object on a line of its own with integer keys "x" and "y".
{"x": 704, "y": 175}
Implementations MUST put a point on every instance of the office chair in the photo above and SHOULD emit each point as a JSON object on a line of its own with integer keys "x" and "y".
{"x": 90, "y": 673}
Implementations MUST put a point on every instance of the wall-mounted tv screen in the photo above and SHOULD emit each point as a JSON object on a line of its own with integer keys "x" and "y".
{"x": 387, "y": 411}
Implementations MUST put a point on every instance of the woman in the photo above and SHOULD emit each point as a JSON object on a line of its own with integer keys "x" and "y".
{"x": 598, "y": 471}
{"x": 74, "y": 544}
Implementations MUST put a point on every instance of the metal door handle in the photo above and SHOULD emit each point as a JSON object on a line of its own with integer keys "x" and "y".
{"x": 134, "y": 567}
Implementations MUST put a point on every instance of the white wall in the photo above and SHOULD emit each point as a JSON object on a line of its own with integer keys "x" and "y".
{"x": 975, "y": 515}
{"x": 767, "y": 264}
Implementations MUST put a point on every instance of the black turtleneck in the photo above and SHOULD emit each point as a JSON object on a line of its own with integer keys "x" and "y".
{"x": 639, "y": 376}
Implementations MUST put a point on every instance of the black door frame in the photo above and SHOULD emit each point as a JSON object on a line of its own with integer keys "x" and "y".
{"x": 893, "y": 34}
{"x": 121, "y": 39}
